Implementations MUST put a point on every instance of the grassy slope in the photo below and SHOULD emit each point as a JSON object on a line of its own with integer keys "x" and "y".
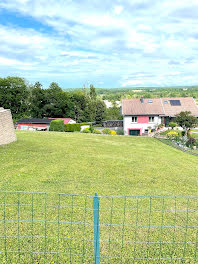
{"x": 79, "y": 163}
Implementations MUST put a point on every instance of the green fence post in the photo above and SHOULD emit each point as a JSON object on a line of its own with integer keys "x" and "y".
{"x": 96, "y": 229}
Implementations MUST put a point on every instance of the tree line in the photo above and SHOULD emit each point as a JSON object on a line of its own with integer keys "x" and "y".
{"x": 119, "y": 94}
{"x": 27, "y": 100}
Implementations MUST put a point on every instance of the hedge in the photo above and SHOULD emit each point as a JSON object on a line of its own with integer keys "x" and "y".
{"x": 86, "y": 130}
{"x": 57, "y": 125}
{"x": 74, "y": 127}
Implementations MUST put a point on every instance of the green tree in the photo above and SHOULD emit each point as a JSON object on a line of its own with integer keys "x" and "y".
{"x": 55, "y": 87}
{"x": 100, "y": 111}
{"x": 14, "y": 96}
{"x": 53, "y": 100}
{"x": 172, "y": 125}
{"x": 92, "y": 92}
{"x": 114, "y": 113}
{"x": 37, "y": 101}
{"x": 186, "y": 121}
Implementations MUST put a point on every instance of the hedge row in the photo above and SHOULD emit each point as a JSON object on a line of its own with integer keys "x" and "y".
{"x": 57, "y": 125}
{"x": 74, "y": 127}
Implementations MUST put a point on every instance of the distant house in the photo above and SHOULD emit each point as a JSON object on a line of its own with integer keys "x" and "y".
{"x": 39, "y": 123}
{"x": 140, "y": 115}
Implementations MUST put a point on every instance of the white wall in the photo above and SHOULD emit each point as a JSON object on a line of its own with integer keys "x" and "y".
{"x": 127, "y": 124}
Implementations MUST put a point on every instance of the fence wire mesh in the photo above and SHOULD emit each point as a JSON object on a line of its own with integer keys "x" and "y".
{"x": 59, "y": 228}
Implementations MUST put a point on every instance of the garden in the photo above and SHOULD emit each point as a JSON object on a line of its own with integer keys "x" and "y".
{"x": 59, "y": 126}
{"x": 185, "y": 138}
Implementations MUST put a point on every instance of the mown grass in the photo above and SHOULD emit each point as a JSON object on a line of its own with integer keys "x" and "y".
{"x": 133, "y": 229}
{"x": 85, "y": 164}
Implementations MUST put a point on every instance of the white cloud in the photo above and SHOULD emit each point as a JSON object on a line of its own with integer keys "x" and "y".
{"x": 110, "y": 40}
{"x": 11, "y": 62}
{"x": 118, "y": 10}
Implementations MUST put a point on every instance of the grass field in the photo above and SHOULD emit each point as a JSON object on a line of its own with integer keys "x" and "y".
{"x": 143, "y": 228}
{"x": 85, "y": 164}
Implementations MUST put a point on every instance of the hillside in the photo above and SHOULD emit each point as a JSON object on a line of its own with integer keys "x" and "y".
{"x": 82, "y": 164}
{"x": 57, "y": 228}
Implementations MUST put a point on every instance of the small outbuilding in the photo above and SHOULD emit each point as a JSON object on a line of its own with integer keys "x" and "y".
{"x": 40, "y": 124}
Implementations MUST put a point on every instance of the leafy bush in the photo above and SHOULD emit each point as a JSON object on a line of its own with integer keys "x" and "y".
{"x": 183, "y": 133}
{"x": 74, "y": 127}
{"x": 106, "y": 131}
{"x": 120, "y": 131}
{"x": 96, "y": 131}
{"x": 172, "y": 135}
{"x": 98, "y": 125}
{"x": 86, "y": 130}
{"x": 91, "y": 129}
{"x": 57, "y": 125}
{"x": 191, "y": 142}
{"x": 172, "y": 125}
{"x": 160, "y": 125}
{"x": 113, "y": 132}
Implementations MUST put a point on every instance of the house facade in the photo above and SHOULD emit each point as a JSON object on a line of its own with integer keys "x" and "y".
{"x": 143, "y": 115}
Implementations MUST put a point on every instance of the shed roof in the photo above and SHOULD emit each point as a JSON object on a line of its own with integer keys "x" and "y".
{"x": 35, "y": 121}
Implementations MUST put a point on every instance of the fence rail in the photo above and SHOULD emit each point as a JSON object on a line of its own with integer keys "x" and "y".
{"x": 61, "y": 228}
{"x": 174, "y": 145}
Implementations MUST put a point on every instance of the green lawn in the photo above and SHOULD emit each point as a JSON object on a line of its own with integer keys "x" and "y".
{"x": 37, "y": 228}
{"x": 82, "y": 164}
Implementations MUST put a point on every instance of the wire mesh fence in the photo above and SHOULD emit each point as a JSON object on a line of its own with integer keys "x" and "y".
{"x": 59, "y": 228}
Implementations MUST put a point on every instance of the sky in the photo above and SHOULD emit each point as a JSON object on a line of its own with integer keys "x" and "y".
{"x": 111, "y": 43}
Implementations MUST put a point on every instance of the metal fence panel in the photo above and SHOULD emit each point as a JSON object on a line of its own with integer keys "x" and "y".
{"x": 59, "y": 228}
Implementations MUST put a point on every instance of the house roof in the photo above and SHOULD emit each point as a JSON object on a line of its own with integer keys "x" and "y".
{"x": 41, "y": 120}
{"x": 135, "y": 107}
{"x": 187, "y": 104}
{"x": 159, "y": 106}
{"x": 66, "y": 120}
{"x": 35, "y": 121}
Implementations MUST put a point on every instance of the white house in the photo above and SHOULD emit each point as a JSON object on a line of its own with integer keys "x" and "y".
{"x": 140, "y": 115}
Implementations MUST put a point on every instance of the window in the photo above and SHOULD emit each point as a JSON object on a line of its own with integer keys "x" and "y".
{"x": 150, "y": 101}
{"x": 175, "y": 102}
{"x": 165, "y": 102}
{"x": 151, "y": 119}
{"x": 134, "y": 119}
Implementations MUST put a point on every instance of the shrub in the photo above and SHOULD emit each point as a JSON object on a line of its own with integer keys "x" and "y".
{"x": 160, "y": 125}
{"x": 183, "y": 133}
{"x": 172, "y": 135}
{"x": 120, "y": 131}
{"x": 74, "y": 127}
{"x": 86, "y": 130}
{"x": 96, "y": 131}
{"x": 113, "y": 132}
{"x": 57, "y": 125}
{"x": 91, "y": 129}
{"x": 106, "y": 131}
{"x": 191, "y": 142}
{"x": 172, "y": 125}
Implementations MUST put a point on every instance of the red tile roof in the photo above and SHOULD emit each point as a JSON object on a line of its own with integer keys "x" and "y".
{"x": 66, "y": 120}
{"x": 158, "y": 107}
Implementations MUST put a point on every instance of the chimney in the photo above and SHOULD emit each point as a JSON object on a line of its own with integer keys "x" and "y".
{"x": 142, "y": 99}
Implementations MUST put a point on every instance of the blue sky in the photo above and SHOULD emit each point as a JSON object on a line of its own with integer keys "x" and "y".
{"x": 109, "y": 43}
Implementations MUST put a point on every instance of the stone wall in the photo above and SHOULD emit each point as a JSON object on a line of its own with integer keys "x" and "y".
{"x": 7, "y": 132}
